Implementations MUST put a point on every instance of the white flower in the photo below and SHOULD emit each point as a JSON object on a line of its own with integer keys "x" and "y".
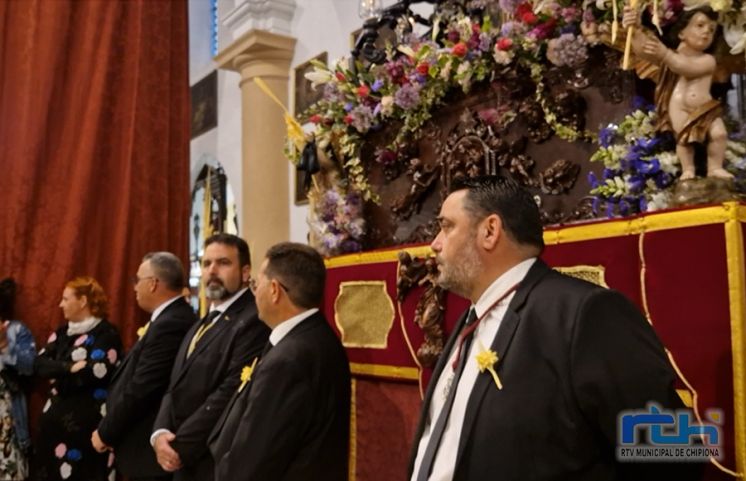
{"x": 503, "y": 57}
{"x": 318, "y": 77}
{"x": 99, "y": 370}
{"x": 387, "y": 105}
{"x": 669, "y": 162}
{"x": 445, "y": 72}
{"x": 65, "y": 470}
{"x": 659, "y": 200}
{"x": 47, "y": 405}
{"x": 464, "y": 72}
{"x": 79, "y": 354}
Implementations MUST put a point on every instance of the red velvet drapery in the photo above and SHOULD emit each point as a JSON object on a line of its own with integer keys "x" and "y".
{"x": 94, "y": 139}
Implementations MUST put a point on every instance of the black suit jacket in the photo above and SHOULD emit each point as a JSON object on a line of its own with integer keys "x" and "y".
{"x": 138, "y": 386}
{"x": 291, "y": 422}
{"x": 572, "y": 356}
{"x": 202, "y": 384}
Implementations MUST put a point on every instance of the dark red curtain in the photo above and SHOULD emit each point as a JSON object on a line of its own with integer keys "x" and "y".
{"x": 94, "y": 148}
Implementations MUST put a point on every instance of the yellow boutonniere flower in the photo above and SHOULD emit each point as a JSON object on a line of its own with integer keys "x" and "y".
{"x": 486, "y": 360}
{"x": 246, "y": 373}
{"x": 141, "y": 332}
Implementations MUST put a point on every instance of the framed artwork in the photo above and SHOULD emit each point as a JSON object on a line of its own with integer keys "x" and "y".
{"x": 305, "y": 96}
{"x": 204, "y": 101}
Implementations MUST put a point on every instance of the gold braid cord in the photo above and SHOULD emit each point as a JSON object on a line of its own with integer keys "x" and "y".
{"x": 695, "y": 407}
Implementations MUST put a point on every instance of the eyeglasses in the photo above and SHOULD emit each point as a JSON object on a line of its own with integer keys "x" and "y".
{"x": 136, "y": 280}
{"x": 252, "y": 285}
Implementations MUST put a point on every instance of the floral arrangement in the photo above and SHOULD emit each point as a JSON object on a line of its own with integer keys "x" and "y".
{"x": 640, "y": 165}
{"x": 461, "y": 51}
{"x": 336, "y": 223}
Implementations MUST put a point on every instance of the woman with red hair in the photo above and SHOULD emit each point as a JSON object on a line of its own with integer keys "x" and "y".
{"x": 78, "y": 359}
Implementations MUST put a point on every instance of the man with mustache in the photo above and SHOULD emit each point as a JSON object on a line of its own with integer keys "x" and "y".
{"x": 208, "y": 366}
{"x": 535, "y": 375}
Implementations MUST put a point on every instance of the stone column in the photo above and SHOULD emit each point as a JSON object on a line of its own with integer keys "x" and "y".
{"x": 265, "y": 210}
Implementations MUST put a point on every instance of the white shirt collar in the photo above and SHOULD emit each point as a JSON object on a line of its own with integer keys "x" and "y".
{"x": 222, "y": 307}
{"x": 498, "y": 287}
{"x": 158, "y": 310}
{"x": 282, "y": 329}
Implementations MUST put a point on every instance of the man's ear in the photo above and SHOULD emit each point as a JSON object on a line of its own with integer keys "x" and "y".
{"x": 246, "y": 274}
{"x": 489, "y": 232}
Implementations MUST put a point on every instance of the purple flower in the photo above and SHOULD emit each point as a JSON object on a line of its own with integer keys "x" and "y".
{"x": 453, "y": 36}
{"x": 509, "y": 6}
{"x": 624, "y": 207}
{"x": 606, "y": 136}
{"x": 567, "y": 50}
{"x": 643, "y": 204}
{"x": 332, "y": 93}
{"x": 362, "y": 118}
{"x": 348, "y": 106}
{"x": 636, "y": 183}
{"x": 592, "y": 179}
{"x": 595, "y": 205}
{"x": 377, "y": 85}
{"x": 407, "y": 97}
{"x": 485, "y": 42}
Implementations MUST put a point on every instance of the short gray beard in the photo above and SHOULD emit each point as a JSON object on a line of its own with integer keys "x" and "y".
{"x": 216, "y": 292}
{"x": 458, "y": 277}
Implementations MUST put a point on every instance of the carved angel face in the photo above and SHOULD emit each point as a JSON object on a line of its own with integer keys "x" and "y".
{"x": 699, "y": 32}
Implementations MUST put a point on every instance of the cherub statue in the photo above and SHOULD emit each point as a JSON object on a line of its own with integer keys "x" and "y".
{"x": 684, "y": 76}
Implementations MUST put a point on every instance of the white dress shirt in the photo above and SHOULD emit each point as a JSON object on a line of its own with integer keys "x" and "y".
{"x": 445, "y": 459}
{"x": 222, "y": 307}
{"x": 283, "y": 328}
{"x": 158, "y": 310}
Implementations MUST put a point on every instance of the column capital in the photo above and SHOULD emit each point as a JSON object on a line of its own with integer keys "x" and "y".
{"x": 258, "y": 53}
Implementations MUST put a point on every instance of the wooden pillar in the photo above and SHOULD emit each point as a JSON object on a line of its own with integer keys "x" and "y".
{"x": 265, "y": 210}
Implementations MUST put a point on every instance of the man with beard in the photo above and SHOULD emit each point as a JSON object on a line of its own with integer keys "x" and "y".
{"x": 140, "y": 382}
{"x": 208, "y": 365}
{"x": 567, "y": 357}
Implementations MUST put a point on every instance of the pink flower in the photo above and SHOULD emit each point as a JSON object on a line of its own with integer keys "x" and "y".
{"x": 111, "y": 354}
{"x": 340, "y": 76}
{"x": 316, "y": 118}
{"x": 60, "y": 450}
{"x": 348, "y": 119}
{"x": 52, "y": 338}
{"x": 81, "y": 339}
{"x": 459, "y": 50}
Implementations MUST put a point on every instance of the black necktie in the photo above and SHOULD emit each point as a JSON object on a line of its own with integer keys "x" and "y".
{"x": 440, "y": 425}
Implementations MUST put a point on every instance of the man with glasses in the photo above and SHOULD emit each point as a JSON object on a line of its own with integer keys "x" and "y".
{"x": 140, "y": 382}
{"x": 289, "y": 419}
{"x": 208, "y": 365}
